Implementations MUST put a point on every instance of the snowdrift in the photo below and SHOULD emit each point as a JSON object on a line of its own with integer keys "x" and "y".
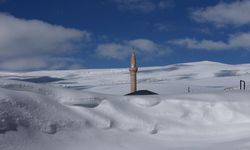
{"x": 48, "y": 109}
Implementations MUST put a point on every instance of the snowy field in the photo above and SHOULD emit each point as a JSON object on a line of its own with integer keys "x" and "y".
{"x": 86, "y": 109}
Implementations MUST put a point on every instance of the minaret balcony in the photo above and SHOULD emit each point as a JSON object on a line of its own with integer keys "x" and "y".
{"x": 134, "y": 69}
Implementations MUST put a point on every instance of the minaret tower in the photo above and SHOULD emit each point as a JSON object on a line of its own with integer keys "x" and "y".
{"x": 133, "y": 70}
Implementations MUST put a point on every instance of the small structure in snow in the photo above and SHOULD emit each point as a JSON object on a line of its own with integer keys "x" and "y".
{"x": 242, "y": 85}
{"x": 142, "y": 92}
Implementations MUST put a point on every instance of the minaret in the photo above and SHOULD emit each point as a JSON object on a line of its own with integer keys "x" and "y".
{"x": 133, "y": 70}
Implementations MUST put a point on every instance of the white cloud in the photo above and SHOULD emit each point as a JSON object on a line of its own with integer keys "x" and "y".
{"x": 235, "y": 42}
{"x": 144, "y": 45}
{"x": 143, "y": 6}
{"x": 21, "y": 40}
{"x": 112, "y": 50}
{"x": 203, "y": 44}
{"x": 121, "y": 50}
{"x": 20, "y": 64}
{"x": 39, "y": 62}
{"x": 236, "y": 13}
{"x": 241, "y": 40}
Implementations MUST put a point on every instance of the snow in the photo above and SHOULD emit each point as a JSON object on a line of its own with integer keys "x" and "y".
{"x": 87, "y": 109}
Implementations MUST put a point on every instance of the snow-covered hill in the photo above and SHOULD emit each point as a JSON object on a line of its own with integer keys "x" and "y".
{"x": 86, "y": 109}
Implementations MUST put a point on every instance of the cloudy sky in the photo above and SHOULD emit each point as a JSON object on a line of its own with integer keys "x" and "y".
{"x": 72, "y": 34}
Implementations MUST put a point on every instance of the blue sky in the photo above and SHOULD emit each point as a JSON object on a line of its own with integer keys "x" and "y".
{"x": 71, "y": 34}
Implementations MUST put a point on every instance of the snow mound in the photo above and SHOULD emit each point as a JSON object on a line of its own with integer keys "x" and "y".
{"x": 51, "y": 109}
{"x": 41, "y": 107}
{"x": 34, "y": 111}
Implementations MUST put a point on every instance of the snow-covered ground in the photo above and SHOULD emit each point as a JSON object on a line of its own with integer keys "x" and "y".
{"x": 86, "y": 109}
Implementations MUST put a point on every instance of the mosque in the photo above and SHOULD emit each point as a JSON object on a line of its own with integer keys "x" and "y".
{"x": 133, "y": 69}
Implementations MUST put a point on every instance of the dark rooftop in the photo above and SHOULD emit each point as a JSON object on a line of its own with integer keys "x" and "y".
{"x": 142, "y": 92}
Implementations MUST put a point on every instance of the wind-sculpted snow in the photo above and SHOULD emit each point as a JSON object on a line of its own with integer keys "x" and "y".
{"x": 55, "y": 117}
{"x": 39, "y": 107}
{"x": 35, "y": 111}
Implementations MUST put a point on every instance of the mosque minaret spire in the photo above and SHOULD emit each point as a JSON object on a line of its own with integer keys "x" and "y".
{"x": 133, "y": 71}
